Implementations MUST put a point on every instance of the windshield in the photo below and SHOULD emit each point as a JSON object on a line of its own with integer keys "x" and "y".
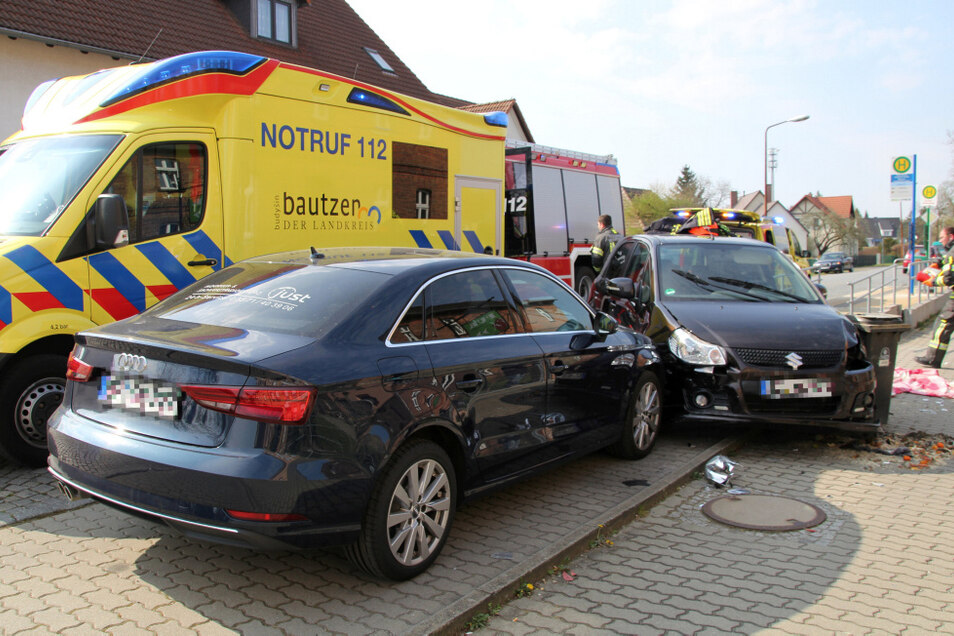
{"x": 39, "y": 178}
{"x": 713, "y": 270}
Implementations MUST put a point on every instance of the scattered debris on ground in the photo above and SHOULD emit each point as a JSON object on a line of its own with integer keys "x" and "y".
{"x": 916, "y": 450}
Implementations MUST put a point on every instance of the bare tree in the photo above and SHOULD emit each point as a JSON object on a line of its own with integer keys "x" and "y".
{"x": 828, "y": 230}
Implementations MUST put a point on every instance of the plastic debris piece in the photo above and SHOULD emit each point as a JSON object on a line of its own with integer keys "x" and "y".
{"x": 738, "y": 491}
{"x": 636, "y": 482}
{"x": 568, "y": 576}
{"x": 720, "y": 470}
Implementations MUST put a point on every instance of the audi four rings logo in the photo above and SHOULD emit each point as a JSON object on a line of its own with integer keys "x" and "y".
{"x": 129, "y": 362}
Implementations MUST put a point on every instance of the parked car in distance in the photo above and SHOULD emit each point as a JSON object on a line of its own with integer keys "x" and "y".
{"x": 919, "y": 255}
{"x": 743, "y": 334}
{"x": 348, "y": 396}
{"x": 833, "y": 262}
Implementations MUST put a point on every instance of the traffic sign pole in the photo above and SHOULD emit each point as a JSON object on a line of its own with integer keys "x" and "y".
{"x": 913, "y": 241}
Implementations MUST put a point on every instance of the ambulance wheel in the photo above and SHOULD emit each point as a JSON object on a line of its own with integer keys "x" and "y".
{"x": 584, "y": 281}
{"x": 34, "y": 390}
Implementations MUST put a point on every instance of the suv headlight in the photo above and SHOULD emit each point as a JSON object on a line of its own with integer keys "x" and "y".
{"x": 693, "y": 350}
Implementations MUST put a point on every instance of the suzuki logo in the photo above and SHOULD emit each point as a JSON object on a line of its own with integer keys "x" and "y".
{"x": 129, "y": 363}
{"x": 794, "y": 360}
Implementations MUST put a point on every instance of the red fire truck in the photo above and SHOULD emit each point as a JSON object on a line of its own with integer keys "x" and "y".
{"x": 553, "y": 199}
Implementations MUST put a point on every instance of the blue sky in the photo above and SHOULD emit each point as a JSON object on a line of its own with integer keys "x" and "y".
{"x": 662, "y": 84}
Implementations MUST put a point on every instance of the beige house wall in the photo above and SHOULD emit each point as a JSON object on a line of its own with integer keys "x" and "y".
{"x": 24, "y": 64}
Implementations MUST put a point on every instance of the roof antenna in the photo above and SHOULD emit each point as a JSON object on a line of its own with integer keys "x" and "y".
{"x": 355, "y": 76}
{"x": 148, "y": 47}
{"x": 315, "y": 254}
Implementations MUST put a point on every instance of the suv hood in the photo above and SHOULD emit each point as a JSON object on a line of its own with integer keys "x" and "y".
{"x": 762, "y": 325}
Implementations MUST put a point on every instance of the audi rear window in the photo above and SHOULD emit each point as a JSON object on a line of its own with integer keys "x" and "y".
{"x": 291, "y": 298}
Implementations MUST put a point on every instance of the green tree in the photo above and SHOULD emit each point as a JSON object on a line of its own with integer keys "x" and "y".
{"x": 688, "y": 188}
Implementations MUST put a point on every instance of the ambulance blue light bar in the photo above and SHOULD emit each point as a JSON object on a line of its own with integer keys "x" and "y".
{"x": 367, "y": 98}
{"x": 174, "y": 68}
{"x": 497, "y": 118}
{"x": 728, "y": 215}
{"x": 779, "y": 219}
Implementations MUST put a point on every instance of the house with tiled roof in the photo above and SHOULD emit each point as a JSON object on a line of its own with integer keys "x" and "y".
{"x": 40, "y": 41}
{"x": 879, "y": 229}
{"x": 811, "y": 210}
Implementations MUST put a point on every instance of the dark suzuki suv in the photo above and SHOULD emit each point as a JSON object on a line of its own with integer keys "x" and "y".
{"x": 743, "y": 333}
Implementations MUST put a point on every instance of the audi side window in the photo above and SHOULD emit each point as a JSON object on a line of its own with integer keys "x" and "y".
{"x": 411, "y": 327}
{"x": 467, "y": 305}
{"x": 548, "y": 305}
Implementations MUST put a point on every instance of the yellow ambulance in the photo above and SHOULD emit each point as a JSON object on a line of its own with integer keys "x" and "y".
{"x": 128, "y": 184}
{"x": 752, "y": 225}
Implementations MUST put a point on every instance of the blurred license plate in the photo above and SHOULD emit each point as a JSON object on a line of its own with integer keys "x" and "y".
{"x": 144, "y": 396}
{"x": 796, "y": 388}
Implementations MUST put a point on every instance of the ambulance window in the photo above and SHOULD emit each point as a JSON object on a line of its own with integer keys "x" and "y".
{"x": 423, "y": 203}
{"x": 163, "y": 186}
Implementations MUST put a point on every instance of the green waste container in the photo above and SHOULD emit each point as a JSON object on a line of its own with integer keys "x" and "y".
{"x": 880, "y": 334}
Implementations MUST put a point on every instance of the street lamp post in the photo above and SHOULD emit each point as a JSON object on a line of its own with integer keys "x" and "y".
{"x": 768, "y": 200}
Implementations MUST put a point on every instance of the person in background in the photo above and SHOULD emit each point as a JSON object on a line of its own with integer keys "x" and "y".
{"x": 604, "y": 243}
{"x": 944, "y": 326}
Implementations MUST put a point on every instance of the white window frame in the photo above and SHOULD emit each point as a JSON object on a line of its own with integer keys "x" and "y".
{"x": 423, "y": 203}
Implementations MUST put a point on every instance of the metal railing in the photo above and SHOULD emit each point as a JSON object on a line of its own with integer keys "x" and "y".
{"x": 889, "y": 279}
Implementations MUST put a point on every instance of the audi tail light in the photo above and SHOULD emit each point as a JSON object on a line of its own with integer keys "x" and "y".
{"x": 281, "y": 405}
{"x": 76, "y": 369}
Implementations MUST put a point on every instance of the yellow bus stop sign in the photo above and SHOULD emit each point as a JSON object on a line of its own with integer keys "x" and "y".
{"x": 929, "y": 192}
{"x": 902, "y": 164}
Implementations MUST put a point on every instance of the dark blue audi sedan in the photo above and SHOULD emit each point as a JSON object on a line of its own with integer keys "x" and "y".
{"x": 347, "y": 396}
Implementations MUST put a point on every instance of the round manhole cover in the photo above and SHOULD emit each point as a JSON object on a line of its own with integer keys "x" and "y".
{"x": 763, "y": 512}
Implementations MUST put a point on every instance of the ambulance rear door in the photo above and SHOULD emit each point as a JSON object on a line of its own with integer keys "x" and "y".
{"x": 170, "y": 185}
{"x": 477, "y": 214}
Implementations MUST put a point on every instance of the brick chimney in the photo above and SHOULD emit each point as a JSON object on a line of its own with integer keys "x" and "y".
{"x": 733, "y": 198}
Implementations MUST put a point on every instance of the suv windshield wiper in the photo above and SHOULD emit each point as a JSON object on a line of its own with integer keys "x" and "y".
{"x": 750, "y": 285}
{"x": 702, "y": 282}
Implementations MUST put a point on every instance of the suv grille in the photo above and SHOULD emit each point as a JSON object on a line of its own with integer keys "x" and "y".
{"x": 776, "y": 358}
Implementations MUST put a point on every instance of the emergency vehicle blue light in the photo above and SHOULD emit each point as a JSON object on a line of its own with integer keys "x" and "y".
{"x": 683, "y": 214}
{"x": 778, "y": 219}
{"x": 366, "y": 98}
{"x": 497, "y": 118}
{"x": 165, "y": 71}
{"x": 728, "y": 215}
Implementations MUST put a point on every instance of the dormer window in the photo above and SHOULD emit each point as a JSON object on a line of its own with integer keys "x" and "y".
{"x": 383, "y": 63}
{"x": 275, "y": 20}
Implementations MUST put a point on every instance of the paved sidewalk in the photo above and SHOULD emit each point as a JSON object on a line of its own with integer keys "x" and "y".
{"x": 880, "y": 563}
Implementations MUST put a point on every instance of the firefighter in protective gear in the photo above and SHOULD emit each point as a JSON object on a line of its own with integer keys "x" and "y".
{"x": 605, "y": 241}
{"x": 944, "y": 326}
